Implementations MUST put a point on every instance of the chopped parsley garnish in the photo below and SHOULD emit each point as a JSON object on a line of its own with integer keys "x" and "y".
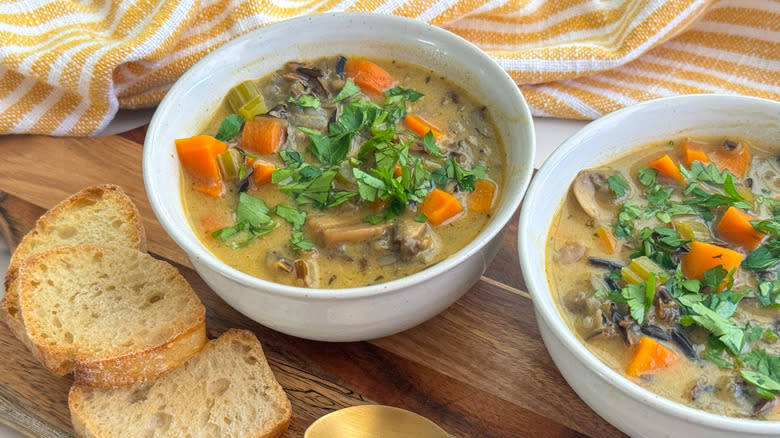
{"x": 452, "y": 171}
{"x": 349, "y": 89}
{"x": 252, "y": 221}
{"x": 299, "y": 242}
{"x": 398, "y": 94}
{"x": 707, "y": 303}
{"x": 230, "y": 127}
{"x": 618, "y": 185}
{"x": 305, "y": 100}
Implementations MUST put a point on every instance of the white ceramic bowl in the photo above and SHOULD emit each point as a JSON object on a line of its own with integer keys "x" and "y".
{"x": 626, "y": 405}
{"x": 343, "y": 314}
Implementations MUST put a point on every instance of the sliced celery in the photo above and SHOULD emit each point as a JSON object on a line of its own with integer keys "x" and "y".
{"x": 246, "y": 100}
{"x": 639, "y": 270}
{"x": 252, "y": 108}
{"x": 691, "y": 229}
{"x": 229, "y": 163}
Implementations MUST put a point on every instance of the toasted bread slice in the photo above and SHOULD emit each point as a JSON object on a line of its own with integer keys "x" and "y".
{"x": 99, "y": 214}
{"x": 112, "y": 315}
{"x": 226, "y": 390}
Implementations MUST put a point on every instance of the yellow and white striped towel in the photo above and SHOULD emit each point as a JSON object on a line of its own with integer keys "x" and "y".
{"x": 67, "y": 66}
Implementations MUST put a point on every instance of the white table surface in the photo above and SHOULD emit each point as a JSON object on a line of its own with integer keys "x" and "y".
{"x": 549, "y": 134}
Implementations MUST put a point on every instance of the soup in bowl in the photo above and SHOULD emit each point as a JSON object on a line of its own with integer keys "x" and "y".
{"x": 342, "y": 172}
{"x": 654, "y": 270}
{"x": 331, "y": 208}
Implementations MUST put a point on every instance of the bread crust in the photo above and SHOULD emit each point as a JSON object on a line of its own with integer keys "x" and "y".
{"x": 107, "y": 368}
{"x": 87, "y": 424}
{"x": 143, "y": 365}
{"x": 9, "y": 305}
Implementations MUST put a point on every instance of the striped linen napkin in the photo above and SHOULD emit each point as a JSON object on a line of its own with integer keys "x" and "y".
{"x": 67, "y": 66}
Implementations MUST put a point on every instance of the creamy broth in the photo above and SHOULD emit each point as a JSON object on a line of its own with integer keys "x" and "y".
{"x": 582, "y": 244}
{"x": 396, "y": 243}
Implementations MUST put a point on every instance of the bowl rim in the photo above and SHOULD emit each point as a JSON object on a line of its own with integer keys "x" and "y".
{"x": 548, "y": 312}
{"x": 191, "y": 245}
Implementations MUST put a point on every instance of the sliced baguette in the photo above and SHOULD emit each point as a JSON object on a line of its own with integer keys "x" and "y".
{"x": 112, "y": 315}
{"x": 99, "y": 214}
{"x": 226, "y": 390}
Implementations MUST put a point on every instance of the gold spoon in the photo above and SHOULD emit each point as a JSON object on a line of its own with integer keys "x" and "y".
{"x": 374, "y": 421}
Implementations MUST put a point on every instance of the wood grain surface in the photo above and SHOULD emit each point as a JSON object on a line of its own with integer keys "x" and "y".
{"x": 478, "y": 369}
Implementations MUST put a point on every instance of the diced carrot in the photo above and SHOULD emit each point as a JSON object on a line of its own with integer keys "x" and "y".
{"x": 397, "y": 170}
{"x": 439, "y": 206}
{"x": 262, "y": 172}
{"x": 481, "y": 199}
{"x": 703, "y": 256}
{"x": 735, "y": 160}
{"x": 735, "y": 227}
{"x": 420, "y": 126}
{"x": 692, "y": 152}
{"x": 608, "y": 240}
{"x": 368, "y": 76}
{"x": 198, "y": 155}
{"x": 666, "y": 166}
{"x": 264, "y": 135}
{"x": 212, "y": 222}
{"x": 213, "y": 189}
{"x": 649, "y": 356}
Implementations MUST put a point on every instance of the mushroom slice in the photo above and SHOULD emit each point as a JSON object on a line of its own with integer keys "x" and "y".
{"x": 335, "y": 231}
{"x": 591, "y": 190}
{"x": 413, "y": 238}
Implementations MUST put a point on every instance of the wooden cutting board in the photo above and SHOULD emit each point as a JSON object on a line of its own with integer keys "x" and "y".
{"x": 479, "y": 369}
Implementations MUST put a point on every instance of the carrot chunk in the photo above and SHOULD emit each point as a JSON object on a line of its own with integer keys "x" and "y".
{"x": 397, "y": 171}
{"x": 439, "y": 206}
{"x": 666, "y": 166}
{"x": 213, "y": 189}
{"x": 735, "y": 227}
{"x": 734, "y": 157}
{"x": 212, "y": 222}
{"x": 264, "y": 135}
{"x": 481, "y": 199}
{"x": 420, "y": 126}
{"x": 608, "y": 240}
{"x": 692, "y": 152}
{"x": 198, "y": 155}
{"x": 703, "y": 256}
{"x": 649, "y": 356}
{"x": 368, "y": 76}
{"x": 262, "y": 172}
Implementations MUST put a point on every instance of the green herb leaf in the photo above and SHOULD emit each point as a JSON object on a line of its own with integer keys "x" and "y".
{"x": 763, "y": 257}
{"x": 625, "y": 220}
{"x": 398, "y": 94}
{"x": 253, "y": 210}
{"x": 635, "y": 296}
{"x": 770, "y": 226}
{"x": 347, "y": 90}
{"x": 618, "y": 185}
{"x": 299, "y": 242}
{"x": 647, "y": 176}
{"x": 713, "y": 277}
{"x": 230, "y": 127}
{"x": 466, "y": 179}
{"x": 252, "y": 222}
{"x": 768, "y": 293}
{"x": 291, "y": 214}
{"x": 305, "y": 100}
{"x": 421, "y": 218}
{"x": 373, "y": 219}
{"x": 368, "y": 185}
{"x": 716, "y": 358}
{"x": 726, "y": 331}
{"x": 430, "y": 144}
